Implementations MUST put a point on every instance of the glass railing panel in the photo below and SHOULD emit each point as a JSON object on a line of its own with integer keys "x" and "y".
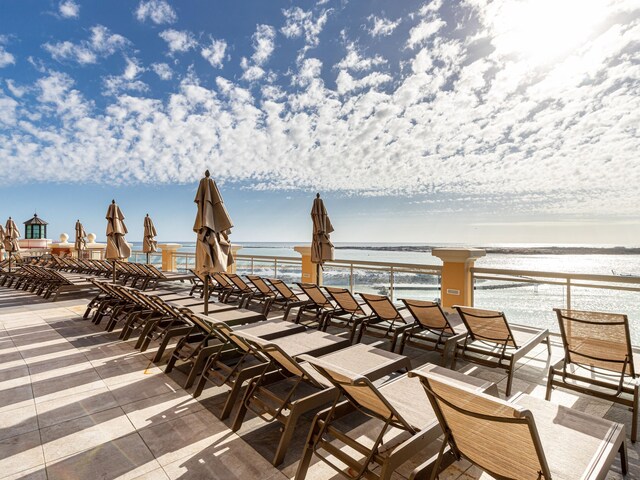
{"x": 416, "y": 286}
{"x": 524, "y": 303}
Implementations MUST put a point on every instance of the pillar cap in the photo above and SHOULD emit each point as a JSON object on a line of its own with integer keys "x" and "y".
{"x": 303, "y": 249}
{"x": 235, "y": 248}
{"x": 169, "y": 246}
{"x": 458, "y": 255}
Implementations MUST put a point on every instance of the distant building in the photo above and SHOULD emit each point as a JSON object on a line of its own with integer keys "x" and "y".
{"x": 35, "y": 228}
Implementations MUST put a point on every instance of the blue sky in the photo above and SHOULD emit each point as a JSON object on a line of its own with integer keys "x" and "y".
{"x": 469, "y": 122}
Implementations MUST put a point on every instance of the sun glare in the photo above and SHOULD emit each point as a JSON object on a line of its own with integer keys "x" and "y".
{"x": 540, "y": 31}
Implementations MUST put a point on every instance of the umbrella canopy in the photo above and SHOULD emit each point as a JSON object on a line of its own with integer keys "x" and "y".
{"x": 1, "y": 241}
{"x": 117, "y": 248}
{"x": 149, "y": 244}
{"x": 213, "y": 226}
{"x": 81, "y": 240}
{"x": 321, "y": 246}
{"x": 11, "y": 235}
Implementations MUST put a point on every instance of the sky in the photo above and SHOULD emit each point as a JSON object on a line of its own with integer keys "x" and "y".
{"x": 471, "y": 122}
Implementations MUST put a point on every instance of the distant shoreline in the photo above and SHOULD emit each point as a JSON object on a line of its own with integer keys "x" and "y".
{"x": 510, "y": 250}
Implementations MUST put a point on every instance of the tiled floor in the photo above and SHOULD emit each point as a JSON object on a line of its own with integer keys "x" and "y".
{"x": 77, "y": 403}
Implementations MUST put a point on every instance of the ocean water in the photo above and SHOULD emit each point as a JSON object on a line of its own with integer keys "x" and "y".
{"x": 529, "y": 304}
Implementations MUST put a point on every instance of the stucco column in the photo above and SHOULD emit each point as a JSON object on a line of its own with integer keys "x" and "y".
{"x": 457, "y": 280}
{"x": 308, "y": 268}
{"x": 169, "y": 261}
{"x": 234, "y": 251}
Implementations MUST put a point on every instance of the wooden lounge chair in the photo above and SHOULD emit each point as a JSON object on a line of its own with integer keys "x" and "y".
{"x": 319, "y": 302}
{"x": 290, "y": 299}
{"x": 523, "y": 438}
{"x": 349, "y": 312}
{"x": 400, "y": 422}
{"x": 387, "y": 319}
{"x": 598, "y": 359}
{"x": 494, "y": 342}
{"x": 301, "y": 389}
{"x": 432, "y": 329}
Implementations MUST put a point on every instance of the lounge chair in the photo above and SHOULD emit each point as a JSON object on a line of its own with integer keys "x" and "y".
{"x": 598, "y": 359}
{"x": 319, "y": 302}
{"x": 432, "y": 329}
{"x": 387, "y": 319}
{"x": 301, "y": 389}
{"x": 524, "y": 437}
{"x": 349, "y": 312}
{"x": 400, "y": 423}
{"x": 290, "y": 299}
{"x": 494, "y": 342}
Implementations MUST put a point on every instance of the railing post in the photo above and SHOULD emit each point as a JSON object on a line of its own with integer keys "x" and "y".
{"x": 275, "y": 268}
{"x": 251, "y": 265}
{"x": 169, "y": 250}
{"x": 308, "y": 267}
{"x": 569, "y": 294}
{"x": 391, "y": 282}
{"x": 234, "y": 250}
{"x": 457, "y": 277}
{"x": 351, "y": 278}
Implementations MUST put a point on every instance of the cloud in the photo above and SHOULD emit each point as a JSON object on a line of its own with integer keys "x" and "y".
{"x": 15, "y": 90}
{"x": 263, "y": 46}
{"x": 162, "y": 70}
{"x": 101, "y": 44}
{"x": 128, "y": 81}
{"x": 458, "y": 121}
{"x": 214, "y": 52}
{"x": 6, "y": 58}
{"x": 382, "y": 27}
{"x": 69, "y": 9}
{"x": 306, "y": 24}
{"x": 178, "y": 41}
{"x": 158, "y": 11}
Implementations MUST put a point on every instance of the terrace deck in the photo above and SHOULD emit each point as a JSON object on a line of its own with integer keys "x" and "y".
{"x": 76, "y": 402}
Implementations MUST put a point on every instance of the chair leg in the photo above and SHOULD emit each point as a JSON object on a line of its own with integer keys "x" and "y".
{"x": 286, "y": 437}
{"x": 510, "y": 379}
{"x": 624, "y": 459}
{"x": 242, "y": 410}
{"x": 307, "y": 453}
{"x": 634, "y": 416}
{"x": 552, "y": 372}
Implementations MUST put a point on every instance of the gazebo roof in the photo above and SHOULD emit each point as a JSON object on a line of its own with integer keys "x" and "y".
{"x": 35, "y": 221}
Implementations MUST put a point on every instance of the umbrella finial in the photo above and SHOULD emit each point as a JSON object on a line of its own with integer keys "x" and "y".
{"x": 113, "y": 201}
{"x": 317, "y": 195}
{"x": 147, "y": 214}
{"x": 207, "y": 174}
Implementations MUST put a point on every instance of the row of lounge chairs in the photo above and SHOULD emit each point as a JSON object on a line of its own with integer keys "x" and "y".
{"x": 290, "y": 370}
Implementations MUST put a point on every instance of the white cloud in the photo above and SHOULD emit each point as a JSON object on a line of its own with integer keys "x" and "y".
{"x": 214, "y": 53}
{"x": 158, "y": 11}
{"x": 423, "y": 31}
{"x": 346, "y": 83}
{"x": 6, "y": 58}
{"x": 263, "y": 43}
{"x": 301, "y": 23}
{"x": 178, "y": 41}
{"x": 69, "y": 9}
{"x": 128, "y": 81}
{"x": 162, "y": 70}
{"x": 15, "y": 90}
{"x": 354, "y": 61}
{"x": 101, "y": 44}
{"x": 382, "y": 27}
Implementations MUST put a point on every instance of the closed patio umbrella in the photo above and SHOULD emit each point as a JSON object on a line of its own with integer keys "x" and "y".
{"x": 81, "y": 239}
{"x": 11, "y": 235}
{"x": 321, "y": 246}
{"x": 1, "y": 242}
{"x": 149, "y": 243}
{"x": 117, "y": 248}
{"x": 213, "y": 226}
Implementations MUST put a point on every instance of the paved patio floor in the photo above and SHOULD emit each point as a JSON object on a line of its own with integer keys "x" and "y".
{"x": 77, "y": 403}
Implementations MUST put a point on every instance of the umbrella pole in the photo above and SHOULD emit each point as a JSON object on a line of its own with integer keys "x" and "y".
{"x": 206, "y": 294}
{"x": 114, "y": 271}
{"x": 318, "y": 279}
{"x": 147, "y": 259}
{"x": 9, "y": 262}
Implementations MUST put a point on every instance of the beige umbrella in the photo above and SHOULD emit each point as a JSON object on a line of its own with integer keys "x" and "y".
{"x": 81, "y": 240}
{"x": 11, "y": 236}
{"x": 321, "y": 246}
{"x": 117, "y": 248}
{"x": 213, "y": 226}
{"x": 149, "y": 243}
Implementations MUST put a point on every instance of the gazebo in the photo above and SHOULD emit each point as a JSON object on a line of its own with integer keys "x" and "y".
{"x": 35, "y": 228}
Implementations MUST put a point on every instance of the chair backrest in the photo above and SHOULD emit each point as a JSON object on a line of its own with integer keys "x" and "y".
{"x": 345, "y": 300}
{"x": 429, "y": 315}
{"x": 261, "y": 285}
{"x": 382, "y": 306}
{"x": 239, "y": 282}
{"x": 359, "y": 391}
{"x": 597, "y": 339}
{"x": 222, "y": 280}
{"x": 499, "y": 437}
{"x": 487, "y": 325}
{"x": 283, "y": 289}
{"x": 315, "y": 294}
